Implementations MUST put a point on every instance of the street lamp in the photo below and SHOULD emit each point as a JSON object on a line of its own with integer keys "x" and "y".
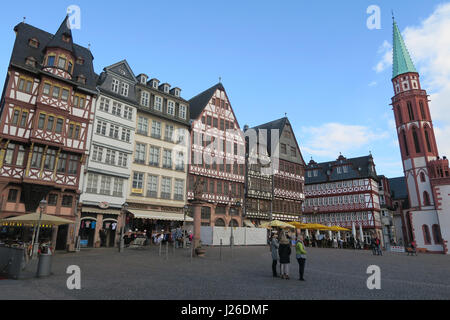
{"x": 186, "y": 208}
{"x": 121, "y": 243}
{"x": 35, "y": 244}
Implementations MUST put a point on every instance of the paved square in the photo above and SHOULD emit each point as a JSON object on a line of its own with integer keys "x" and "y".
{"x": 143, "y": 274}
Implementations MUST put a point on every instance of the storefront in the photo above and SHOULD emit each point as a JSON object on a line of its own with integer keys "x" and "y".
{"x": 99, "y": 227}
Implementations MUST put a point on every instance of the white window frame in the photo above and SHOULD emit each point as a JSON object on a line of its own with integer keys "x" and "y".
{"x": 171, "y": 108}
{"x": 115, "y": 85}
{"x": 182, "y": 112}
{"x": 124, "y": 89}
{"x": 158, "y": 103}
{"x": 145, "y": 98}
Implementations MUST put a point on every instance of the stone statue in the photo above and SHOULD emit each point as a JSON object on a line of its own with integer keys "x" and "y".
{"x": 198, "y": 188}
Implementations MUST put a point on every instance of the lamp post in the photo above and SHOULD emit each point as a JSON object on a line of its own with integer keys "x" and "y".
{"x": 121, "y": 243}
{"x": 35, "y": 244}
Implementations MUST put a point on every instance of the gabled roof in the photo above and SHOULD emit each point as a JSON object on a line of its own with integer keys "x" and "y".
{"x": 116, "y": 67}
{"x": 200, "y": 101}
{"x": 22, "y": 50}
{"x": 402, "y": 62}
{"x": 398, "y": 188}
{"x": 359, "y": 168}
{"x": 57, "y": 41}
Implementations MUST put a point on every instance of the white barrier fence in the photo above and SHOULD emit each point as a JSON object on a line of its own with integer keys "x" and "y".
{"x": 397, "y": 249}
{"x": 211, "y": 236}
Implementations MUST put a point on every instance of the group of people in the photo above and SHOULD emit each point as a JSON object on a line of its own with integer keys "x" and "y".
{"x": 375, "y": 244}
{"x": 281, "y": 251}
{"x": 176, "y": 235}
{"x": 325, "y": 241}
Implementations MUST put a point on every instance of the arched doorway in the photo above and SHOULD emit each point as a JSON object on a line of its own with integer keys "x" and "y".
{"x": 108, "y": 233}
{"x": 219, "y": 223}
{"x": 87, "y": 232}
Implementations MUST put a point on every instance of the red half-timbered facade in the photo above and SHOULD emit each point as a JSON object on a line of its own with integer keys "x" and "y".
{"x": 47, "y": 108}
{"x": 344, "y": 193}
{"x": 217, "y": 157}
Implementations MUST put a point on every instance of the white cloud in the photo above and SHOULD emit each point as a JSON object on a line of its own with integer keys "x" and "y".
{"x": 373, "y": 84}
{"x": 429, "y": 46}
{"x": 330, "y": 139}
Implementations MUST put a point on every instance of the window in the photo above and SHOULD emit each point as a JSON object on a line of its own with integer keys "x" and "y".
{"x": 16, "y": 115}
{"x": 405, "y": 143}
{"x": 115, "y": 86}
{"x": 138, "y": 182}
{"x": 50, "y": 61}
{"x": 36, "y": 159}
{"x": 158, "y": 103}
{"x": 92, "y": 183}
{"x": 124, "y": 89}
{"x": 105, "y": 185}
{"x": 140, "y": 153}
{"x": 399, "y": 113}
{"x": 128, "y": 113}
{"x": 167, "y": 159}
{"x": 62, "y": 163}
{"x": 166, "y": 188}
{"x": 114, "y": 132}
{"x": 426, "y": 199}
{"x": 101, "y": 128}
{"x": 73, "y": 164}
{"x": 179, "y": 190}
{"x": 46, "y": 89}
{"x": 62, "y": 63}
{"x": 180, "y": 161}
{"x": 126, "y": 135}
{"x": 80, "y": 102}
{"x": 12, "y": 195}
{"x": 50, "y": 158}
{"x": 169, "y": 133}
{"x": 283, "y": 149}
{"x": 116, "y": 109}
{"x": 208, "y": 120}
{"x": 293, "y": 152}
{"x": 50, "y": 123}
{"x": 410, "y": 111}
{"x": 154, "y": 156}
{"x": 110, "y": 157}
{"x": 52, "y": 199}
{"x": 67, "y": 201}
{"x": 145, "y": 98}
{"x": 152, "y": 186}
{"x": 123, "y": 160}
{"x": 437, "y": 234}
{"x": 422, "y": 110}
{"x": 142, "y": 126}
{"x": 171, "y": 108}
{"x": 182, "y": 112}
{"x": 426, "y": 234}
{"x": 55, "y": 92}
{"x": 422, "y": 177}
{"x": 118, "y": 187}
{"x": 33, "y": 43}
{"x": 65, "y": 95}
{"x": 104, "y": 104}
{"x": 416, "y": 140}
{"x": 59, "y": 125}
{"x": 156, "y": 130}
{"x": 427, "y": 139}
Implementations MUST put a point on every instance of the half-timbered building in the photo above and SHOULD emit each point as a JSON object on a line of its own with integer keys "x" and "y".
{"x": 47, "y": 107}
{"x": 288, "y": 170}
{"x": 344, "y": 193}
{"x": 106, "y": 180}
{"x": 217, "y": 158}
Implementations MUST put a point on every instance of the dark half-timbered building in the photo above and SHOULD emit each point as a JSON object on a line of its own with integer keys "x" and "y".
{"x": 217, "y": 158}
{"x": 344, "y": 193}
{"x": 47, "y": 107}
{"x": 288, "y": 173}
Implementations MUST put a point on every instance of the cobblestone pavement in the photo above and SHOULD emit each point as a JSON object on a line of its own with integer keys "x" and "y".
{"x": 244, "y": 273}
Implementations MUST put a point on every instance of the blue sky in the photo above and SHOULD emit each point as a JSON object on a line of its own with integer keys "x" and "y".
{"x": 314, "y": 60}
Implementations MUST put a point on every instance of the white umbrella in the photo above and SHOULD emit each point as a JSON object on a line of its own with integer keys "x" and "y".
{"x": 353, "y": 230}
{"x": 361, "y": 234}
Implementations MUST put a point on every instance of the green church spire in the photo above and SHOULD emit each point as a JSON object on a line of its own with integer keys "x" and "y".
{"x": 402, "y": 62}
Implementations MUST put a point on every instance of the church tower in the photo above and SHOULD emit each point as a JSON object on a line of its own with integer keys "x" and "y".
{"x": 418, "y": 148}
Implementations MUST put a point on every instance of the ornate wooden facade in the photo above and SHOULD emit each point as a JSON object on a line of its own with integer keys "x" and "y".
{"x": 217, "y": 157}
{"x": 46, "y": 109}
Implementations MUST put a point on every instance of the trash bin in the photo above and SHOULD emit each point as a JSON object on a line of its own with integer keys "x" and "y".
{"x": 44, "y": 265}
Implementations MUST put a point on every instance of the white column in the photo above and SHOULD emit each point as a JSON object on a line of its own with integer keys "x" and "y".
{"x": 361, "y": 234}
{"x": 339, "y": 235}
{"x": 353, "y": 230}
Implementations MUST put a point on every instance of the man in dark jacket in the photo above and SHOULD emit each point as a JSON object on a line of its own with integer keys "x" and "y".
{"x": 285, "y": 256}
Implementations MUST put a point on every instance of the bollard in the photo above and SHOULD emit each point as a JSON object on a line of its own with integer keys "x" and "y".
{"x": 220, "y": 250}
{"x": 167, "y": 250}
{"x": 160, "y": 247}
{"x": 192, "y": 250}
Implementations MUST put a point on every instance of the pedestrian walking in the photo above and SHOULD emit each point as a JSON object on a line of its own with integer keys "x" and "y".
{"x": 301, "y": 257}
{"x": 373, "y": 245}
{"x": 378, "y": 246}
{"x": 284, "y": 252}
{"x": 274, "y": 249}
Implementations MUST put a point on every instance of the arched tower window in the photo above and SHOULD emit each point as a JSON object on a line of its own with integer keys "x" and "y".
{"x": 416, "y": 140}
{"x": 426, "y": 234}
{"x": 410, "y": 111}
{"x": 405, "y": 143}
{"x": 422, "y": 110}
{"x": 426, "y": 198}
{"x": 437, "y": 234}
{"x": 427, "y": 139}
{"x": 399, "y": 113}
{"x": 422, "y": 177}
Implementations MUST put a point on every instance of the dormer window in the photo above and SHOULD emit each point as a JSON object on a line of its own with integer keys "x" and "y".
{"x": 33, "y": 43}
{"x": 62, "y": 63}
{"x": 81, "y": 79}
{"x": 143, "y": 79}
{"x": 166, "y": 89}
{"x": 51, "y": 61}
{"x": 80, "y": 61}
{"x": 30, "y": 61}
{"x": 66, "y": 38}
{"x": 177, "y": 93}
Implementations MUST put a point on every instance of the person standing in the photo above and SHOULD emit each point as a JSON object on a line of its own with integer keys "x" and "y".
{"x": 285, "y": 256}
{"x": 301, "y": 257}
{"x": 274, "y": 245}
